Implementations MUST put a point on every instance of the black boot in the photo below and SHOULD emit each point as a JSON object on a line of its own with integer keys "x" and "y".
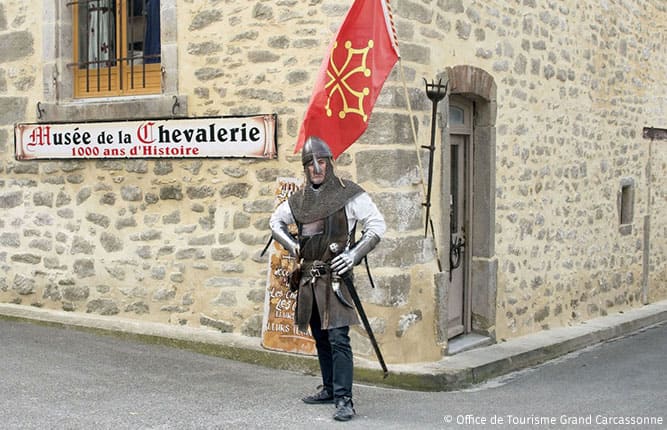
{"x": 319, "y": 398}
{"x": 344, "y": 409}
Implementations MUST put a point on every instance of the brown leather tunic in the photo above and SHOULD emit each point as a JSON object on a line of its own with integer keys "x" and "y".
{"x": 315, "y": 284}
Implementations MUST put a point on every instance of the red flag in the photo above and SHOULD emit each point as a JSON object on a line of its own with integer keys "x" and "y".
{"x": 351, "y": 76}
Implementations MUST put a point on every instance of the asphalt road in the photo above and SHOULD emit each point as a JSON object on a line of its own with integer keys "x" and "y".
{"x": 59, "y": 378}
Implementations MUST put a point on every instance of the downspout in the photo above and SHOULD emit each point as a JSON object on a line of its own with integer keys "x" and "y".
{"x": 647, "y": 228}
{"x": 652, "y": 134}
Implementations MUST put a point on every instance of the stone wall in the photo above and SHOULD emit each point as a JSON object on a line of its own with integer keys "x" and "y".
{"x": 576, "y": 85}
{"x": 178, "y": 241}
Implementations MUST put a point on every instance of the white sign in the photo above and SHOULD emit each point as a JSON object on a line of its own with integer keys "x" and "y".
{"x": 253, "y": 137}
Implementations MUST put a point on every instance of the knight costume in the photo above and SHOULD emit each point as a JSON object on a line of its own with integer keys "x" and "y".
{"x": 326, "y": 212}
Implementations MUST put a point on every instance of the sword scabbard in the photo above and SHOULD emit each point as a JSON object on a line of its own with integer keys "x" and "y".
{"x": 364, "y": 320}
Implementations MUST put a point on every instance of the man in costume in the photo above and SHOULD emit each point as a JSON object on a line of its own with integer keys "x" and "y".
{"x": 326, "y": 211}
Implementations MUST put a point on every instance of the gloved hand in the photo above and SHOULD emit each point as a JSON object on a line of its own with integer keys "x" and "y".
{"x": 343, "y": 262}
{"x": 351, "y": 257}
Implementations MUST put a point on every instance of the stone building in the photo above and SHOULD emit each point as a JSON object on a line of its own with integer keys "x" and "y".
{"x": 543, "y": 174}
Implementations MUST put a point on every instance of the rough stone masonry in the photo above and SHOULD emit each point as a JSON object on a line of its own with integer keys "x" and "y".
{"x": 178, "y": 241}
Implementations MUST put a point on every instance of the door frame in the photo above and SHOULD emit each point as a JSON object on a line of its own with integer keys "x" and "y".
{"x": 479, "y": 87}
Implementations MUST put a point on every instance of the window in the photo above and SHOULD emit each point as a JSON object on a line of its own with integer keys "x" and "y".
{"x": 116, "y": 47}
{"x": 456, "y": 115}
{"x": 460, "y": 115}
{"x": 626, "y": 203}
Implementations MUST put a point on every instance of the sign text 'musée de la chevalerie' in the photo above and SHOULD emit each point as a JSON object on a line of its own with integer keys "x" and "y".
{"x": 253, "y": 137}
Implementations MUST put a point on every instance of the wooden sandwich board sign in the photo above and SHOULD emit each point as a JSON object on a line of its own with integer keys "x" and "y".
{"x": 279, "y": 333}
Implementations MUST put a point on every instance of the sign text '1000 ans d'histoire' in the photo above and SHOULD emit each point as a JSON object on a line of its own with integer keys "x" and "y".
{"x": 248, "y": 136}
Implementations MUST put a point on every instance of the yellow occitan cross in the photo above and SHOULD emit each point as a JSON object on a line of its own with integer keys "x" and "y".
{"x": 338, "y": 80}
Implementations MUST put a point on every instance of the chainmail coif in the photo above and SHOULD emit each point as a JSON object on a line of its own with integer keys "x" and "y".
{"x": 311, "y": 204}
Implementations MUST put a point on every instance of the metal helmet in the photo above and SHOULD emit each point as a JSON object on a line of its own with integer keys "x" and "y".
{"x": 313, "y": 149}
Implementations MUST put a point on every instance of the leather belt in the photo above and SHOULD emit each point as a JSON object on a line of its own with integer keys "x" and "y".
{"x": 315, "y": 269}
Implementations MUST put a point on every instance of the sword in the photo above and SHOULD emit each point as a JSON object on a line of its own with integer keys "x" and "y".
{"x": 364, "y": 319}
{"x": 335, "y": 248}
{"x": 267, "y": 246}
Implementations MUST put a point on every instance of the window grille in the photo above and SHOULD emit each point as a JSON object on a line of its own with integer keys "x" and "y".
{"x": 116, "y": 47}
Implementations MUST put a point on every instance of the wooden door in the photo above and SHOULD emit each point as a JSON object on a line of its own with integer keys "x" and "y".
{"x": 461, "y": 138}
{"x": 457, "y": 248}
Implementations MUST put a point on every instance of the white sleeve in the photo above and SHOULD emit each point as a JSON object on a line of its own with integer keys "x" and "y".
{"x": 281, "y": 216}
{"x": 361, "y": 208}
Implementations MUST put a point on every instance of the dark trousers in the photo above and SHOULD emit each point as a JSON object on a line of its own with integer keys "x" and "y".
{"x": 334, "y": 354}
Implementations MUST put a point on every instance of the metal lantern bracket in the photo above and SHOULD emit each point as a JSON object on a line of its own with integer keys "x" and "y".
{"x": 435, "y": 93}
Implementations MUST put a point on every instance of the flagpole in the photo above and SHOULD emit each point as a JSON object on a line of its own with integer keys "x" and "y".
{"x": 419, "y": 160}
{"x": 412, "y": 124}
